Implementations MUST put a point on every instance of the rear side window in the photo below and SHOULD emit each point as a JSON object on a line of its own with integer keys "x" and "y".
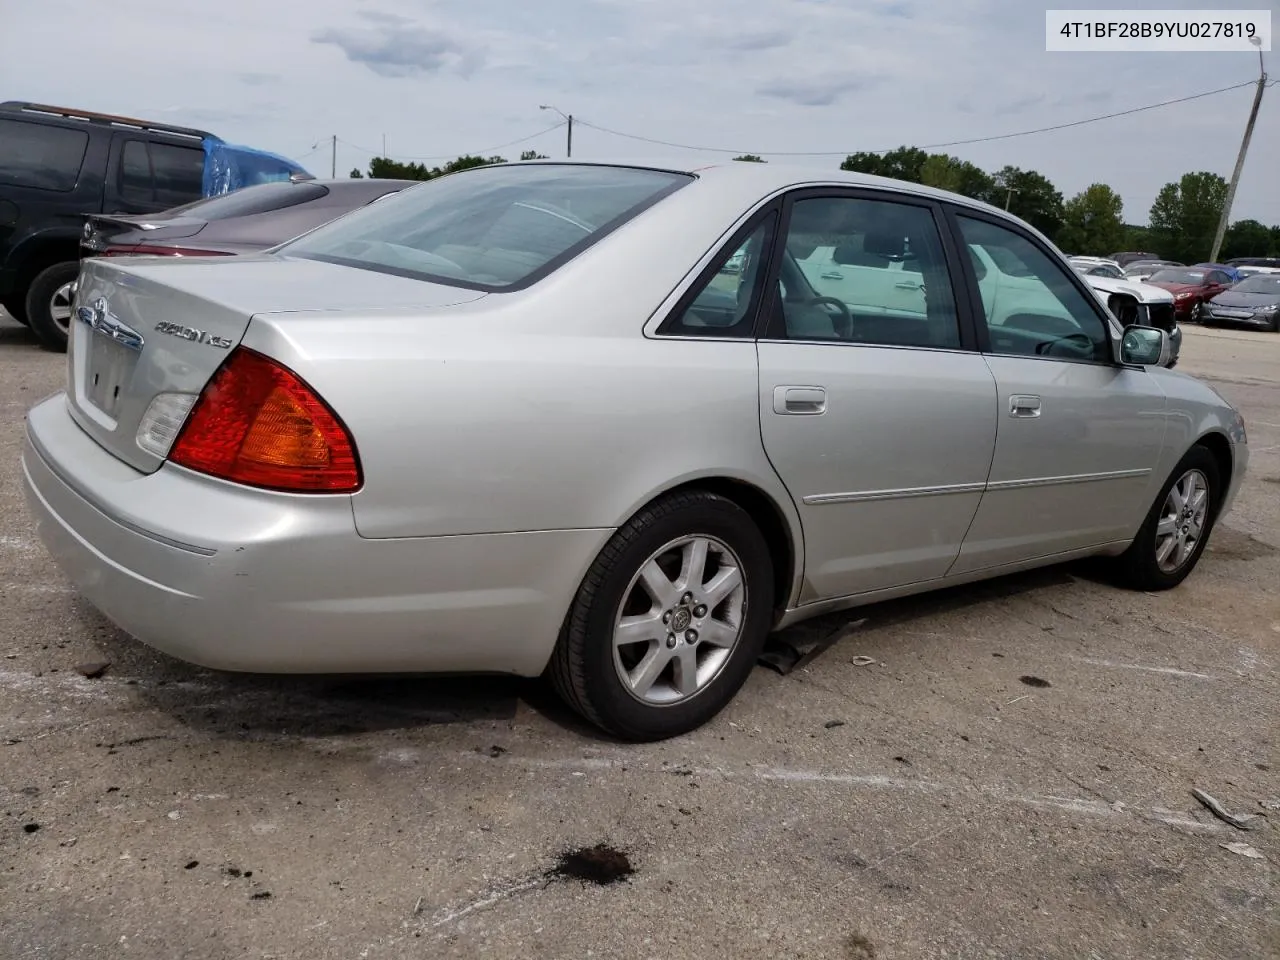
{"x": 178, "y": 172}
{"x": 40, "y": 155}
{"x": 160, "y": 173}
{"x": 492, "y": 228}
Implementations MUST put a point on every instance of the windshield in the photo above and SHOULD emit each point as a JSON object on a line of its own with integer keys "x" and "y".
{"x": 490, "y": 228}
{"x": 1259, "y": 283}
{"x": 1193, "y": 277}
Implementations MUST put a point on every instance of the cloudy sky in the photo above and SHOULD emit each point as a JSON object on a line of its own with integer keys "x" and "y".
{"x": 442, "y": 77}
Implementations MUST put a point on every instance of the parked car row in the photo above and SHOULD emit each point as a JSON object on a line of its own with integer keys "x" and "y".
{"x": 1240, "y": 291}
{"x": 58, "y": 165}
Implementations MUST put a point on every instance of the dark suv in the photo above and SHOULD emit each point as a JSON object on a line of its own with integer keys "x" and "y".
{"x": 58, "y": 165}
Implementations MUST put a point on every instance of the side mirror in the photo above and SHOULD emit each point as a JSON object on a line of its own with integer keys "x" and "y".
{"x": 1146, "y": 347}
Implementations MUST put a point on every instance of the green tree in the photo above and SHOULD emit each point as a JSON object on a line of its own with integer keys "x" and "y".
{"x": 1185, "y": 216}
{"x": 1248, "y": 238}
{"x": 385, "y": 168}
{"x": 1135, "y": 238}
{"x": 1032, "y": 197}
{"x": 904, "y": 163}
{"x": 750, "y": 158}
{"x": 533, "y": 155}
{"x": 1092, "y": 221}
{"x": 958, "y": 176}
{"x": 356, "y": 174}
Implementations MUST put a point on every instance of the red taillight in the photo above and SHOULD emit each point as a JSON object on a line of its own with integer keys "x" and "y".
{"x": 259, "y": 424}
{"x": 147, "y": 250}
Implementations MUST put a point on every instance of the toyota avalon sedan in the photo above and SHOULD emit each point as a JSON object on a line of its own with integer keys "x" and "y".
{"x": 519, "y": 419}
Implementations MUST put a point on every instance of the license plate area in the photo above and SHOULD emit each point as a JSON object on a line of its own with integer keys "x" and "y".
{"x": 108, "y": 369}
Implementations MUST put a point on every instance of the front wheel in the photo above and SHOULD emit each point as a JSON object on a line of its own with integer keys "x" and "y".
{"x": 1176, "y": 530}
{"x": 669, "y": 620}
{"x": 49, "y": 304}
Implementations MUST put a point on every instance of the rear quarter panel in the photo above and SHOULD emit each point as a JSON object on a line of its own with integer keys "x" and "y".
{"x": 547, "y": 408}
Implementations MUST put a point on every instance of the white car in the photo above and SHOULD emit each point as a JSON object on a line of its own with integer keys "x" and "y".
{"x": 1097, "y": 266}
{"x": 1145, "y": 304}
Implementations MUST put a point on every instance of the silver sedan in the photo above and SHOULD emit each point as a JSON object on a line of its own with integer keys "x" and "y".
{"x": 521, "y": 419}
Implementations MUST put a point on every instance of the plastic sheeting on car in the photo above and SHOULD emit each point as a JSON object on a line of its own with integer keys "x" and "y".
{"x": 229, "y": 167}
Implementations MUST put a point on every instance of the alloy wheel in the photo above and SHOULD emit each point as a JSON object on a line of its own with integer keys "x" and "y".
{"x": 1182, "y": 521}
{"x": 680, "y": 620}
{"x": 60, "y": 306}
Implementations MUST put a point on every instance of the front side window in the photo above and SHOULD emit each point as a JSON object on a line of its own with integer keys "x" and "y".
{"x": 724, "y": 304}
{"x": 865, "y": 271}
{"x": 39, "y": 155}
{"x": 490, "y": 228}
{"x": 1034, "y": 310}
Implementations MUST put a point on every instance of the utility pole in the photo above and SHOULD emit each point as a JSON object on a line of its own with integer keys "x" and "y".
{"x": 1244, "y": 148}
{"x": 384, "y": 144}
{"x": 568, "y": 119}
{"x": 333, "y": 166}
{"x": 1009, "y": 198}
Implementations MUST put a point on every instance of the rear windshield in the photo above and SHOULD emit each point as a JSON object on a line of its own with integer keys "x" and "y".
{"x": 491, "y": 228}
{"x": 247, "y": 201}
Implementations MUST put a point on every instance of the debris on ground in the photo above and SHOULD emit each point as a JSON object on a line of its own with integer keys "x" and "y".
{"x": 191, "y": 864}
{"x": 831, "y": 724}
{"x": 798, "y": 647}
{"x": 1248, "y": 821}
{"x": 601, "y": 865}
{"x": 1037, "y": 682}
{"x": 858, "y": 947}
{"x": 863, "y": 661}
{"x": 93, "y": 670}
{"x": 1243, "y": 849}
{"x": 261, "y": 895}
{"x": 30, "y": 827}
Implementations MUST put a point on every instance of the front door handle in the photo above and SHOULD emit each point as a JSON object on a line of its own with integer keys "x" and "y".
{"x": 832, "y": 275}
{"x": 908, "y": 285}
{"x": 799, "y": 401}
{"x": 1022, "y": 405}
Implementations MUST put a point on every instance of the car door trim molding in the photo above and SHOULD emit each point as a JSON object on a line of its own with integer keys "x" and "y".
{"x": 950, "y": 489}
{"x": 1069, "y": 478}
{"x": 899, "y": 494}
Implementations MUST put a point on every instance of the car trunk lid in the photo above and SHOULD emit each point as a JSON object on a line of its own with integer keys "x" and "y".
{"x": 144, "y": 330}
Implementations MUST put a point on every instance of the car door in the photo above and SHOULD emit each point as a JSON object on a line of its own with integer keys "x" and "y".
{"x": 1078, "y": 435}
{"x": 877, "y": 414}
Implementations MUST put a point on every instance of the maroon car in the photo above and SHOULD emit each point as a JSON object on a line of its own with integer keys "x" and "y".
{"x": 1192, "y": 288}
{"x": 247, "y": 221}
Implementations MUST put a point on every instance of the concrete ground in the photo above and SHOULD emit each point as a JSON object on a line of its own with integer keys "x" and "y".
{"x": 929, "y": 803}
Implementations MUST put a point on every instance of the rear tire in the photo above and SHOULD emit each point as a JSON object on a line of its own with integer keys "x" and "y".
{"x": 1175, "y": 533}
{"x": 45, "y": 310}
{"x": 689, "y": 580}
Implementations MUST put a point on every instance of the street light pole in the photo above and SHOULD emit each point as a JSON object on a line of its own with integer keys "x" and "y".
{"x": 1244, "y": 148}
{"x": 568, "y": 118}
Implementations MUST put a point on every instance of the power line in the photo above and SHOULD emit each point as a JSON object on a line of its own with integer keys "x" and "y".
{"x": 931, "y": 146}
{"x": 453, "y": 156}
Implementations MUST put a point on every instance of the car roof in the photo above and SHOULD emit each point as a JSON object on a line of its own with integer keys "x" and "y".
{"x": 763, "y": 179}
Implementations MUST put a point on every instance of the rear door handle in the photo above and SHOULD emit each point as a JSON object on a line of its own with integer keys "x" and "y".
{"x": 907, "y": 285}
{"x": 832, "y": 275}
{"x": 1022, "y": 405}
{"x": 799, "y": 401}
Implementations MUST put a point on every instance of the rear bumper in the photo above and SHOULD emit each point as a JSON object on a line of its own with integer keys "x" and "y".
{"x": 239, "y": 579}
